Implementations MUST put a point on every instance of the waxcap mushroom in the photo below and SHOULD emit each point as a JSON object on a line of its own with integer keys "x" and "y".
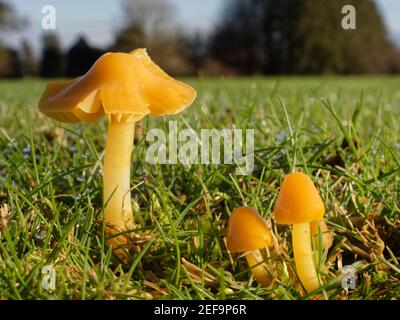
{"x": 124, "y": 87}
{"x": 299, "y": 204}
{"x": 247, "y": 231}
{"x": 298, "y": 201}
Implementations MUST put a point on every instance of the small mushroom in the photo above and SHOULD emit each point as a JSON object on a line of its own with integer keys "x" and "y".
{"x": 300, "y": 204}
{"x": 125, "y": 88}
{"x": 248, "y": 232}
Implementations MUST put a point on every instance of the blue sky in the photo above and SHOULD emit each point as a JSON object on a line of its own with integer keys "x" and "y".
{"x": 99, "y": 19}
{"x": 390, "y": 10}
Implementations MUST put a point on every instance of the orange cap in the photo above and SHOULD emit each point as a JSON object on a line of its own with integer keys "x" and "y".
{"x": 123, "y": 86}
{"x": 247, "y": 231}
{"x": 298, "y": 200}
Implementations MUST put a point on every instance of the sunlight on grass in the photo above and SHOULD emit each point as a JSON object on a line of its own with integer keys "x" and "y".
{"x": 344, "y": 132}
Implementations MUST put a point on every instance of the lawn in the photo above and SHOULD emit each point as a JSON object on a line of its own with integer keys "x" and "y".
{"x": 344, "y": 132}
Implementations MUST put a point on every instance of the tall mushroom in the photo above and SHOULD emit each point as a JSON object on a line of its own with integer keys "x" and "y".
{"x": 300, "y": 204}
{"x": 248, "y": 232}
{"x": 125, "y": 88}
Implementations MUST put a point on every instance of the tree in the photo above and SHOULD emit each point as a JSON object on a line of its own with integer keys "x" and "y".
{"x": 193, "y": 46}
{"x": 154, "y": 17}
{"x": 28, "y": 61}
{"x": 279, "y": 35}
{"x": 327, "y": 48}
{"x": 150, "y": 24}
{"x": 299, "y": 36}
{"x": 9, "y": 20}
{"x": 237, "y": 39}
{"x": 130, "y": 37}
{"x": 52, "y": 59}
{"x": 80, "y": 57}
{"x": 10, "y": 65}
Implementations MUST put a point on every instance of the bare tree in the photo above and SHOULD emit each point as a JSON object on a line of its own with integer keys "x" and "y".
{"x": 151, "y": 24}
{"x": 153, "y": 17}
{"x": 28, "y": 60}
{"x": 9, "y": 20}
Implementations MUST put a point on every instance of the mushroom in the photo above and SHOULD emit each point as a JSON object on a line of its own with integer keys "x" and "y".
{"x": 124, "y": 87}
{"x": 248, "y": 232}
{"x": 300, "y": 204}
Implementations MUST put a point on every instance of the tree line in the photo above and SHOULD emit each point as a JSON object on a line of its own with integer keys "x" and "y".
{"x": 251, "y": 37}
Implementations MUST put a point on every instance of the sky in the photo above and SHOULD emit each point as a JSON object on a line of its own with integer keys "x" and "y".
{"x": 99, "y": 19}
{"x": 390, "y": 10}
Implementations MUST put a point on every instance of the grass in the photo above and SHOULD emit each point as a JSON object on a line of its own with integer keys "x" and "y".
{"x": 345, "y": 132}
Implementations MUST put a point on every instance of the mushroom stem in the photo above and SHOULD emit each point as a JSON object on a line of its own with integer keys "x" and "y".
{"x": 257, "y": 266}
{"x": 116, "y": 184}
{"x": 325, "y": 234}
{"x": 303, "y": 256}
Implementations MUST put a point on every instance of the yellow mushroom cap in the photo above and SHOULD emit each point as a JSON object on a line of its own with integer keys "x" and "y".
{"x": 247, "y": 231}
{"x": 298, "y": 200}
{"x": 122, "y": 86}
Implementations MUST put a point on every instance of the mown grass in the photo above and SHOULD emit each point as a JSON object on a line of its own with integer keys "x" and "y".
{"x": 345, "y": 132}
